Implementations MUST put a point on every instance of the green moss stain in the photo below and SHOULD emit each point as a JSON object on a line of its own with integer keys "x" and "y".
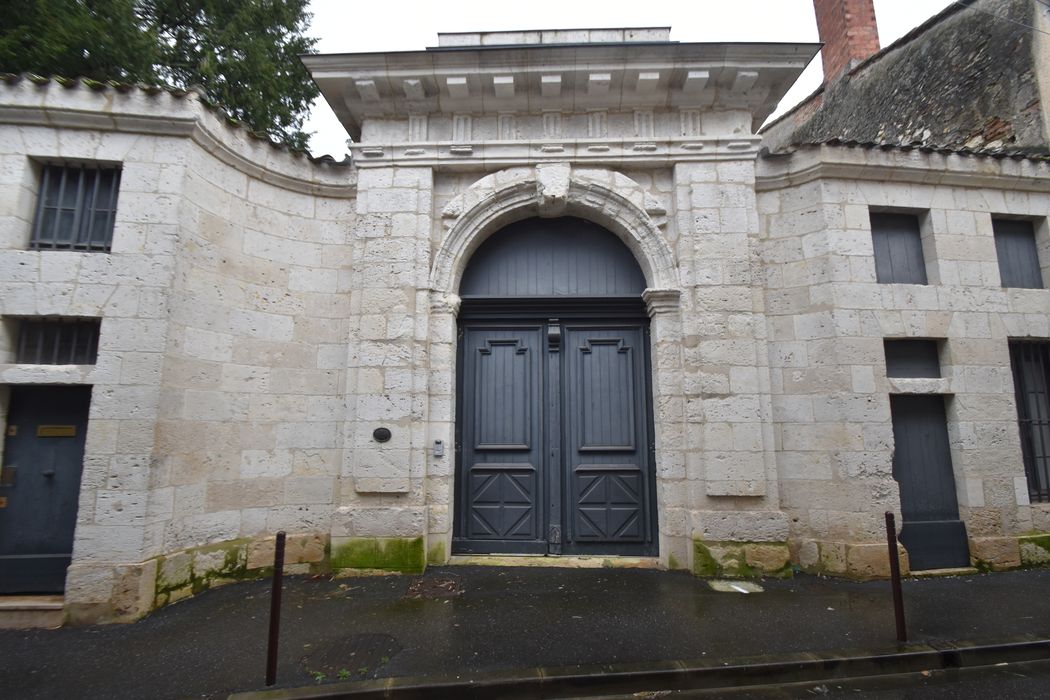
{"x": 436, "y": 555}
{"x": 1040, "y": 541}
{"x": 703, "y": 563}
{"x": 730, "y": 561}
{"x": 234, "y": 568}
{"x": 673, "y": 563}
{"x": 402, "y": 555}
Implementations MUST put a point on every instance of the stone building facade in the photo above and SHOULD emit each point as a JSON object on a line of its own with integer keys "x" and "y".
{"x": 263, "y": 314}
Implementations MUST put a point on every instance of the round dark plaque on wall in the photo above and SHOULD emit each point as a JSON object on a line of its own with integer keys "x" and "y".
{"x": 381, "y": 434}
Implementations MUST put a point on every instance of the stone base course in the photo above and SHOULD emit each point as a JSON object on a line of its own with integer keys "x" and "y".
{"x": 127, "y": 593}
{"x": 743, "y": 559}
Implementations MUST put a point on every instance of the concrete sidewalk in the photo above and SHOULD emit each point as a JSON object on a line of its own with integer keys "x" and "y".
{"x": 465, "y": 620}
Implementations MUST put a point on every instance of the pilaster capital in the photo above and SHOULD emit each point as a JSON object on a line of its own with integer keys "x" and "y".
{"x": 662, "y": 301}
{"x": 443, "y": 303}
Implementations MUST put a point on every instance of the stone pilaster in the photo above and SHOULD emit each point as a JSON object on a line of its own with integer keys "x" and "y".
{"x": 381, "y": 494}
{"x": 725, "y": 376}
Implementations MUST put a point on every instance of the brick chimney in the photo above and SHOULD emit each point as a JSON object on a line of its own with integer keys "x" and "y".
{"x": 849, "y": 33}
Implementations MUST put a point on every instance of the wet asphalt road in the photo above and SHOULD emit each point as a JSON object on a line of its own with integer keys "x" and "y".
{"x": 467, "y": 620}
{"x": 1008, "y": 681}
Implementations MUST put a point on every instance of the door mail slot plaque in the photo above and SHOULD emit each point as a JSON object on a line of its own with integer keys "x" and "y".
{"x": 56, "y": 431}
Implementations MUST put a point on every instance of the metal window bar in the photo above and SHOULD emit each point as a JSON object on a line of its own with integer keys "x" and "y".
{"x": 58, "y": 342}
{"x": 1030, "y": 362}
{"x": 84, "y": 222}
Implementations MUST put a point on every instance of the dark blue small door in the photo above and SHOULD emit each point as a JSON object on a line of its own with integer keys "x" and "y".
{"x": 932, "y": 532}
{"x": 40, "y": 486}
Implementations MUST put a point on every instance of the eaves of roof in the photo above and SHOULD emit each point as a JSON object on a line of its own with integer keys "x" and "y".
{"x": 176, "y": 93}
{"x": 999, "y": 153}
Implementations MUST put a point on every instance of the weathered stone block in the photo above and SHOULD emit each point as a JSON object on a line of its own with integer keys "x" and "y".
{"x": 743, "y": 559}
{"x": 767, "y": 558}
{"x": 995, "y": 553}
{"x": 175, "y": 571}
{"x": 404, "y": 555}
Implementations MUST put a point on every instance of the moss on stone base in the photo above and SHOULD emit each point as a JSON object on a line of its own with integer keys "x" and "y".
{"x": 741, "y": 559}
{"x": 396, "y": 554}
{"x": 1035, "y": 550}
{"x": 703, "y": 563}
{"x": 436, "y": 555}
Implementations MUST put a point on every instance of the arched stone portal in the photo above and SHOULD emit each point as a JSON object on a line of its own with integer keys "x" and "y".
{"x": 622, "y": 208}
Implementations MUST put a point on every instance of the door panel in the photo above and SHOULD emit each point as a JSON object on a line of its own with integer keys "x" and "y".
{"x": 932, "y": 532}
{"x": 606, "y": 446}
{"x": 500, "y": 492}
{"x": 554, "y": 440}
{"x": 43, "y": 460}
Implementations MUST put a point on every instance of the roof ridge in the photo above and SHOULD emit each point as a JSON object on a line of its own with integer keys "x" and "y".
{"x": 907, "y": 38}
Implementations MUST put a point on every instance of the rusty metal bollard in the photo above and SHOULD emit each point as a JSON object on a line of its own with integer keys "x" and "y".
{"x": 275, "y": 609}
{"x": 895, "y": 577}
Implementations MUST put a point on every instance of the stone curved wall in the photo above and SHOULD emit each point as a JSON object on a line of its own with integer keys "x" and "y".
{"x": 223, "y": 326}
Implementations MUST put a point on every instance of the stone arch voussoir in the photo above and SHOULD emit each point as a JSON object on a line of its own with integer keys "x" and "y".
{"x": 606, "y": 197}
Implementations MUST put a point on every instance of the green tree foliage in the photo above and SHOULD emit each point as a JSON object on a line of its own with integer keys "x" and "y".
{"x": 243, "y": 54}
{"x": 103, "y": 40}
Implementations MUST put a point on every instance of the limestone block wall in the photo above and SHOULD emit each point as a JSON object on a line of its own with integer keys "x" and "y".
{"x": 127, "y": 288}
{"x": 730, "y": 468}
{"x": 828, "y": 317}
{"x": 249, "y": 436}
{"x": 387, "y": 358}
{"x": 218, "y": 391}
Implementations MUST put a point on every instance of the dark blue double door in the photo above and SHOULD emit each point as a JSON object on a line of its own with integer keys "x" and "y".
{"x": 554, "y": 439}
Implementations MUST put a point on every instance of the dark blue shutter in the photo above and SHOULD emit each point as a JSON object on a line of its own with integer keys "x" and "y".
{"x": 898, "y": 249}
{"x": 1018, "y": 257}
{"x": 912, "y": 358}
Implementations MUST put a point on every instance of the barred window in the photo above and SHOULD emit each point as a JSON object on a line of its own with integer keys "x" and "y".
{"x": 58, "y": 341}
{"x": 1031, "y": 368}
{"x": 77, "y": 208}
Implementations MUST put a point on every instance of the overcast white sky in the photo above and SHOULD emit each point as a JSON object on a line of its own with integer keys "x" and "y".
{"x": 411, "y": 25}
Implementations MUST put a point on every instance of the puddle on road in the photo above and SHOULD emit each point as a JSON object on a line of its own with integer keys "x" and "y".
{"x": 735, "y": 586}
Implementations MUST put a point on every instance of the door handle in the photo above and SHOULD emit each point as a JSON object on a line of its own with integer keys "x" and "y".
{"x": 49, "y": 474}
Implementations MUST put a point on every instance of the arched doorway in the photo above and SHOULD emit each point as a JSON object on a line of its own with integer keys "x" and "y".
{"x": 554, "y": 428}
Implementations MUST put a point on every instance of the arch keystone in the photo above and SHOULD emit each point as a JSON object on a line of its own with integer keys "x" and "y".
{"x": 552, "y": 188}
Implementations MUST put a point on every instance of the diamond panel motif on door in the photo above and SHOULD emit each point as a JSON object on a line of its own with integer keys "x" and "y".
{"x": 502, "y": 502}
{"x": 608, "y": 504}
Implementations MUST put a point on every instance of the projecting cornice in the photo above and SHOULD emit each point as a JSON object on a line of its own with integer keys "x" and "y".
{"x": 558, "y": 78}
{"x": 900, "y": 165}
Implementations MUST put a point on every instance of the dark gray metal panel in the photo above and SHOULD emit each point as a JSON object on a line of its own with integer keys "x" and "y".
{"x": 1017, "y": 253}
{"x": 922, "y": 466}
{"x": 912, "y": 358}
{"x": 552, "y": 257}
{"x": 608, "y": 472}
{"x": 898, "y": 249}
{"x": 43, "y": 461}
{"x": 500, "y": 489}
